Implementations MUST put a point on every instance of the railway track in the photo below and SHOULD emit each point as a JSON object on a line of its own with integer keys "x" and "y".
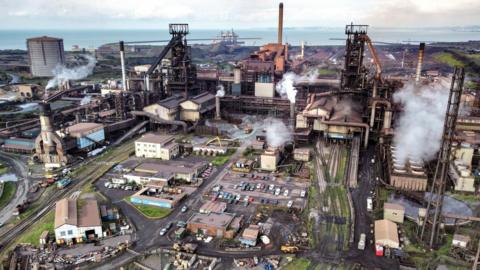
{"x": 93, "y": 171}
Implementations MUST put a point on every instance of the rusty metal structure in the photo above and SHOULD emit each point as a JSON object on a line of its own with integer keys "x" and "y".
{"x": 437, "y": 191}
{"x": 354, "y": 74}
{"x": 172, "y": 70}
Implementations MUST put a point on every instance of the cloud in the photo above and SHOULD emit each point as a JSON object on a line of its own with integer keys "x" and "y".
{"x": 408, "y": 13}
{"x": 236, "y": 13}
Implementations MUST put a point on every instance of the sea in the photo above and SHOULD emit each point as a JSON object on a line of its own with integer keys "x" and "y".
{"x": 16, "y": 39}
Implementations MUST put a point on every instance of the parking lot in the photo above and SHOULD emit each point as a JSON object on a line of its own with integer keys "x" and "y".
{"x": 260, "y": 188}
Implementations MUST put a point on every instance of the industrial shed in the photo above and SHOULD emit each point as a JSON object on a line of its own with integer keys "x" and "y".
{"x": 386, "y": 233}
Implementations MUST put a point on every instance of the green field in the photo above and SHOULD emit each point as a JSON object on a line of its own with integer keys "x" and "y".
{"x": 150, "y": 211}
{"x": 448, "y": 58}
{"x": 298, "y": 264}
{"x": 46, "y": 223}
{"x": 3, "y": 169}
{"x": 324, "y": 71}
{"x": 9, "y": 189}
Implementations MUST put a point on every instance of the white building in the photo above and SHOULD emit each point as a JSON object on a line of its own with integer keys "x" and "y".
{"x": 77, "y": 225}
{"x": 153, "y": 145}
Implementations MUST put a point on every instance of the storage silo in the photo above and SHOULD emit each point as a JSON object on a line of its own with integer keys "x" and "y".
{"x": 44, "y": 54}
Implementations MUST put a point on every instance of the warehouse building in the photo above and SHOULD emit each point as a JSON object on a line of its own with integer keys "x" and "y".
{"x": 159, "y": 195}
{"x": 461, "y": 176}
{"x": 167, "y": 109}
{"x": 44, "y": 54}
{"x": 394, "y": 212}
{"x": 301, "y": 154}
{"x": 213, "y": 207}
{"x": 153, "y": 145}
{"x": 77, "y": 222}
{"x": 164, "y": 171}
{"x": 249, "y": 236}
{"x": 87, "y": 135}
{"x": 386, "y": 233}
{"x": 19, "y": 145}
{"x": 214, "y": 224}
{"x": 460, "y": 240}
{"x": 197, "y": 107}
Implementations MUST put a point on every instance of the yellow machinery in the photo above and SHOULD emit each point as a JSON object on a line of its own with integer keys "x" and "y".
{"x": 289, "y": 249}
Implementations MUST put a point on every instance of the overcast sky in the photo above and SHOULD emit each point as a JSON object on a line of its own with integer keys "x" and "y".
{"x": 219, "y": 14}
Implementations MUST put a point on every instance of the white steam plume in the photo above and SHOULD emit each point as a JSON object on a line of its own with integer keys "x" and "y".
{"x": 220, "y": 91}
{"x": 62, "y": 73}
{"x": 86, "y": 100}
{"x": 277, "y": 132}
{"x": 418, "y": 134}
{"x": 285, "y": 87}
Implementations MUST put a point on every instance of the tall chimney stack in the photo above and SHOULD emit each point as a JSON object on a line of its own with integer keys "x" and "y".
{"x": 292, "y": 115}
{"x": 122, "y": 63}
{"x": 280, "y": 24}
{"x": 421, "y": 51}
{"x": 218, "y": 115}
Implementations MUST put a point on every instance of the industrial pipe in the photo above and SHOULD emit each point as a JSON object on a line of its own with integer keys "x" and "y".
{"x": 387, "y": 104}
{"x": 387, "y": 119}
{"x": 351, "y": 124}
{"x": 280, "y": 24}
{"x": 122, "y": 63}
{"x": 160, "y": 120}
{"x": 421, "y": 51}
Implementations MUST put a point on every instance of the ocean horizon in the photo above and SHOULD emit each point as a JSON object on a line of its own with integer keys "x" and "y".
{"x": 88, "y": 38}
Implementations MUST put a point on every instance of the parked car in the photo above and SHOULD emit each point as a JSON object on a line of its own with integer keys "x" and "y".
{"x": 181, "y": 224}
{"x": 169, "y": 225}
{"x": 271, "y": 187}
{"x": 285, "y": 193}
{"x": 163, "y": 231}
{"x": 184, "y": 209}
{"x": 277, "y": 191}
{"x": 303, "y": 193}
{"x": 289, "y": 204}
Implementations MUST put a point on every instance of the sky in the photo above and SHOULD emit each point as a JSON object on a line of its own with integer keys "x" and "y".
{"x": 239, "y": 14}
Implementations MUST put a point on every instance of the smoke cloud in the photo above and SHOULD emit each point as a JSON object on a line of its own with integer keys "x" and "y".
{"x": 86, "y": 100}
{"x": 418, "y": 134}
{"x": 62, "y": 73}
{"x": 220, "y": 91}
{"x": 277, "y": 132}
{"x": 285, "y": 87}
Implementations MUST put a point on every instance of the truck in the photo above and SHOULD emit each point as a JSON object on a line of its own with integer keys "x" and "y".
{"x": 289, "y": 249}
{"x": 361, "y": 242}
{"x": 185, "y": 247}
{"x": 369, "y": 204}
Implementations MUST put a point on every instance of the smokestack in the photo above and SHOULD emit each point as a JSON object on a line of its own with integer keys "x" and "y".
{"x": 217, "y": 107}
{"x": 237, "y": 75}
{"x": 292, "y": 115}
{"x": 122, "y": 63}
{"x": 280, "y": 24}
{"x": 421, "y": 51}
{"x": 302, "y": 50}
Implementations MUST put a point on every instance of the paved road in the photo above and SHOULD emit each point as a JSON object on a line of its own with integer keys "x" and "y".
{"x": 363, "y": 219}
{"x": 19, "y": 168}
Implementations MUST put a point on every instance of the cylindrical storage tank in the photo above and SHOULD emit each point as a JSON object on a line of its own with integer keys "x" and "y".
{"x": 44, "y": 54}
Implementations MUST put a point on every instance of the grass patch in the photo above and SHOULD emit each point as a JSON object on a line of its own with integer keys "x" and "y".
{"x": 3, "y": 169}
{"x": 9, "y": 189}
{"x": 471, "y": 198}
{"x": 324, "y": 71}
{"x": 298, "y": 264}
{"x": 32, "y": 236}
{"x": 150, "y": 211}
{"x": 448, "y": 58}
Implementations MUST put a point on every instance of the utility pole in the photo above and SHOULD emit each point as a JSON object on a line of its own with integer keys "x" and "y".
{"x": 435, "y": 200}
{"x": 475, "y": 263}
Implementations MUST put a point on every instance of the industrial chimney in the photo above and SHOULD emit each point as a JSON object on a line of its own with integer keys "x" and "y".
{"x": 280, "y": 24}
{"x": 302, "y": 50}
{"x": 292, "y": 115}
{"x": 217, "y": 108}
{"x": 421, "y": 51}
{"x": 122, "y": 63}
